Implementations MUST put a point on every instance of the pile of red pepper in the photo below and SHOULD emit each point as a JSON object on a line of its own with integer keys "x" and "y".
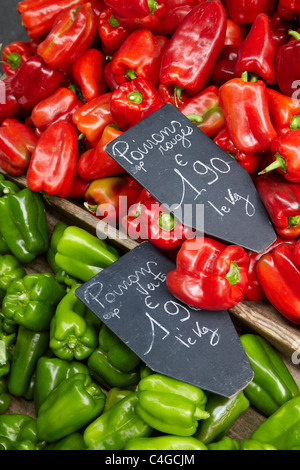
{"x": 92, "y": 70}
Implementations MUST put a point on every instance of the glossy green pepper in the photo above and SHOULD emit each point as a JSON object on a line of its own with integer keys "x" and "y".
{"x": 224, "y": 412}
{"x": 273, "y": 385}
{"x": 30, "y": 346}
{"x": 7, "y": 325}
{"x": 5, "y": 398}
{"x": 10, "y": 270}
{"x": 171, "y": 406}
{"x": 32, "y": 301}
{"x": 24, "y": 225}
{"x": 60, "y": 275}
{"x": 73, "y": 441}
{"x": 226, "y": 443}
{"x": 113, "y": 429}
{"x": 114, "y": 395}
{"x": 118, "y": 354}
{"x": 72, "y": 336}
{"x": 82, "y": 255}
{"x": 250, "y": 444}
{"x": 7, "y": 347}
{"x": 72, "y": 405}
{"x": 18, "y": 432}
{"x": 7, "y": 187}
{"x": 282, "y": 428}
{"x": 165, "y": 443}
{"x": 4, "y": 249}
{"x": 50, "y": 372}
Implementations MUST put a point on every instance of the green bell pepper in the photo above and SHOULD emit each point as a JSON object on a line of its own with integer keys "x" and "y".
{"x": 24, "y": 225}
{"x": 82, "y": 255}
{"x": 72, "y": 405}
{"x": 7, "y": 187}
{"x": 72, "y": 336}
{"x": 118, "y": 354}
{"x": 273, "y": 384}
{"x": 226, "y": 443}
{"x": 18, "y": 432}
{"x": 7, "y": 347}
{"x": 32, "y": 301}
{"x": 10, "y": 270}
{"x": 30, "y": 346}
{"x": 224, "y": 412}
{"x": 165, "y": 443}
{"x": 60, "y": 275}
{"x": 250, "y": 444}
{"x": 4, "y": 250}
{"x": 170, "y": 406}
{"x": 114, "y": 395}
{"x": 73, "y": 441}
{"x": 113, "y": 429}
{"x": 7, "y": 325}
{"x": 5, "y": 398}
{"x": 282, "y": 428}
{"x": 50, "y": 372}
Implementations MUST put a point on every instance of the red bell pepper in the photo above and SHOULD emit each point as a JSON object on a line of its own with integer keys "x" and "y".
{"x": 140, "y": 55}
{"x": 59, "y": 106}
{"x": 282, "y": 202}
{"x": 110, "y": 198}
{"x": 235, "y": 33}
{"x": 109, "y": 78}
{"x": 92, "y": 118}
{"x": 9, "y": 106}
{"x": 52, "y": 166}
{"x": 151, "y": 221}
{"x": 287, "y": 66}
{"x": 223, "y": 69}
{"x": 34, "y": 82}
{"x": 133, "y": 101}
{"x": 204, "y": 110}
{"x": 137, "y": 13}
{"x": 209, "y": 275}
{"x": 168, "y": 96}
{"x": 249, "y": 161}
{"x": 288, "y": 9}
{"x": 286, "y": 156}
{"x": 297, "y": 252}
{"x": 246, "y": 112}
{"x": 70, "y": 36}
{"x": 112, "y": 34}
{"x": 96, "y": 163}
{"x": 38, "y": 16}
{"x": 284, "y": 111}
{"x": 87, "y": 73}
{"x": 246, "y": 11}
{"x": 175, "y": 12}
{"x": 17, "y": 143}
{"x": 280, "y": 28}
{"x": 79, "y": 188}
{"x": 185, "y": 65}
{"x": 257, "y": 53}
{"x": 98, "y": 6}
{"x": 279, "y": 276}
{"x": 13, "y": 56}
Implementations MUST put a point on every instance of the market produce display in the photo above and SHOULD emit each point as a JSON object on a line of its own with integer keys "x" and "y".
{"x": 89, "y": 72}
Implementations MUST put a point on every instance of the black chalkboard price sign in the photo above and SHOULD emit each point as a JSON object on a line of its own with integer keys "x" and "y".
{"x": 195, "y": 346}
{"x": 189, "y": 174}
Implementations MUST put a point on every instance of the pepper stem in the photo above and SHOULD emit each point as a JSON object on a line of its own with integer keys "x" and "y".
{"x": 195, "y": 118}
{"x": 295, "y": 34}
{"x": 152, "y": 6}
{"x": 13, "y": 60}
{"x": 278, "y": 163}
{"x": 233, "y": 277}
{"x": 135, "y": 97}
{"x": 138, "y": 211}
{"x": 293, "y": 221}
{"x": 166, "y": 221}
{"x": 113, "y": 22}
{"x": 130, "y": 74}
{"x": 253, "y": 77}
{"x": 177, "y": 95}
{"x": 201, "y": 414}
{"x": 295, "y": 122}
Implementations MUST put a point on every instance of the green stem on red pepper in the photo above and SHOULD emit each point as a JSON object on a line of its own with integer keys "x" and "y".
{"x": 278, "y": 163}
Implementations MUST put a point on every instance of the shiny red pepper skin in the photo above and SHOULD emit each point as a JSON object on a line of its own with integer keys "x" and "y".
{"x": 235, "y": 33}
{"x": 176, "y": 11}
{"x": 223, "y": 69}
{"x": 282, "y": 111}
{"x": 17, "y": 143}
{"x": 10, "y": 108}
{"x": 254, "y": 58}
{"x": 254, "y": 291}
{"x": 199, "y": 278}
{"x": 279, "y": 276}
{"x": 246, "y": 112}
{"x": 96, "y": 163}
{"x": 137, "y": 13}
{"x": 59, "y": 106}
{"x": 92, "y": 118}
{"x": 185, "y": 65}
{"x": 280, "y": 28}
{"x": 245, "y": 11}
{"x": 13, "y": 56}
{"x": 34, "y": 82}
{"x": 79, "y": 188}
{"x": 133, "y": 101}
{"x": 297, "y": 253}
{"x": 249, "y": 161}
{"x": 109, "y": 78}
{"x": 205, "y": 106}
{"x": 282, "y": 202}
{"x": 287, "y": 67}
{"x": 70, "y": 36}
{"x": 168, "y": 96}
{"x": 111, "y": 33}
{"x": 87, "y": 73}
{"x": 288, "y": 9}
{"x": 140, "y": 55}
{"x": 53, "y": 163}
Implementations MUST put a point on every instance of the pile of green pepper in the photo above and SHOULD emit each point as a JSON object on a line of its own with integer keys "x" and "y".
{"x": 56, "y": 353}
